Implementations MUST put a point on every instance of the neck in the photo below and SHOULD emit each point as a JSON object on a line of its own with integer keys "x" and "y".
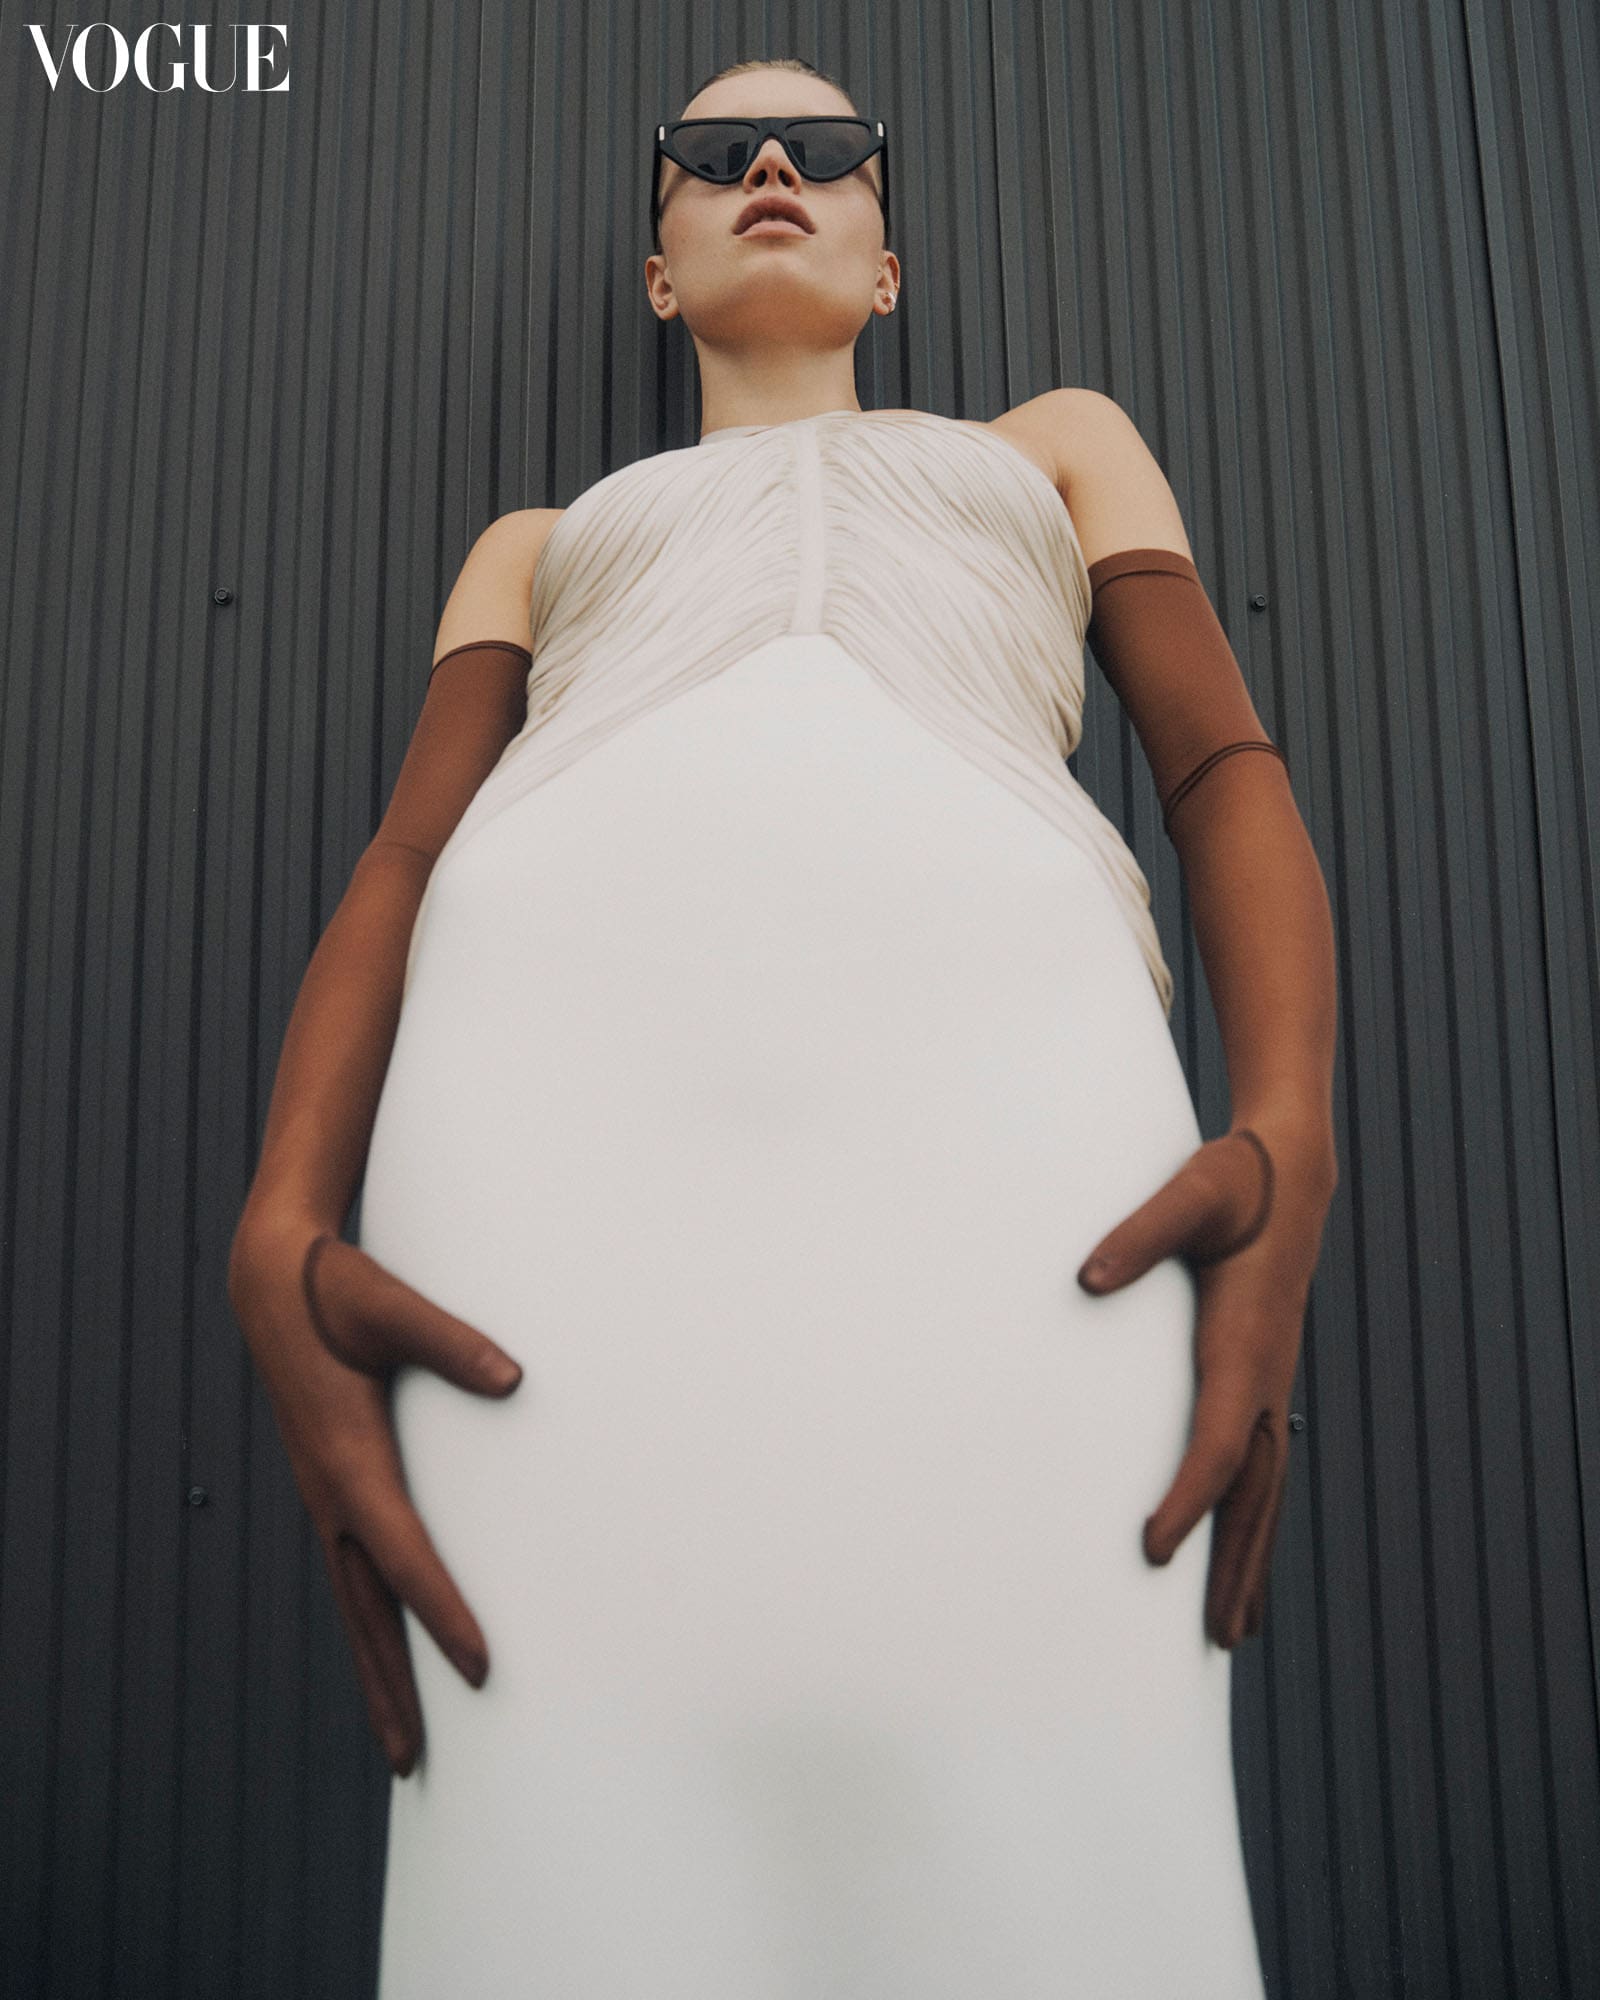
{"x": 734, "y": 397}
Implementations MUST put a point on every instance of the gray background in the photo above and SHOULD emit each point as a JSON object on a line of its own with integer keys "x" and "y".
{"x": 1339, "y": 263}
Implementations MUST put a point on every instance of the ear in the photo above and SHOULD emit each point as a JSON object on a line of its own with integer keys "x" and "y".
{"x": 663, "y": 303}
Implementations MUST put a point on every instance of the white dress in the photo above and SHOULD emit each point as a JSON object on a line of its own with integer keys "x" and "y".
{"x": 783, "y": 1024}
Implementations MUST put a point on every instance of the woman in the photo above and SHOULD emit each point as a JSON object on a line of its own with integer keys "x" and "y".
{"x": 781, "y": 1030}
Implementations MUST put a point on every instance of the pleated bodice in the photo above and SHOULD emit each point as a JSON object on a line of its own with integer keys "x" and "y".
{"x": 936, "y": 553}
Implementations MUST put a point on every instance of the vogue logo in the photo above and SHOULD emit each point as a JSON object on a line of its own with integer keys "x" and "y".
{"x": 256, "y": 57}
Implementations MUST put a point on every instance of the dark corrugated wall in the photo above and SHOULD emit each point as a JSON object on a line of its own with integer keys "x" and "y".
{"x": 271, "y": 361}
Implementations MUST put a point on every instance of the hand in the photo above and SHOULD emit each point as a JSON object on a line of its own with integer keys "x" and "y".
{"x": 1247, "y": 1209}
{"x": 326, "y": 1325}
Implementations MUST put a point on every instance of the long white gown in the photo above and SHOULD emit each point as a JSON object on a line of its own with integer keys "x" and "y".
{"x": 783, "y": 1024}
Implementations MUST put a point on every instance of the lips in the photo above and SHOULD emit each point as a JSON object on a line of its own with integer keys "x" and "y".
{"x": 772, "y": 205}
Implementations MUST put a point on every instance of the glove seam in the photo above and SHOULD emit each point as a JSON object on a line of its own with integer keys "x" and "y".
{"x": 481, "y": 645}
{"x": 1186, "y": 783}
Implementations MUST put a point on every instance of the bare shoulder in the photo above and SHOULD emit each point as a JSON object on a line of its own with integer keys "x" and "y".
{"x": 1031, "y": 428}
{"x": 1112, "y": 484}
{"x": 493, "y": 595}
{"x": 517, "y": 539}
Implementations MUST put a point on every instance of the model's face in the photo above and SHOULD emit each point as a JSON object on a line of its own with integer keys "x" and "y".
{"x": 732, "y": 285}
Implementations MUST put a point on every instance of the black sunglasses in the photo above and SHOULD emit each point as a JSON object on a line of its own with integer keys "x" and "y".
{"x": 721, "y": 149}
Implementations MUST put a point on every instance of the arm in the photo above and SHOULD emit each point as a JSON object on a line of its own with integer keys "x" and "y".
{"x": 1260, "y": 907}
{"x": 341, "y": 1032}
{"x": 325, "y": 1324}
{"x": 1247, "y": 1208}
{"x": 1259, "y": 904}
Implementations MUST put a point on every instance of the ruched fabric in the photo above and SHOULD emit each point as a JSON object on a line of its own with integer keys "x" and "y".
{"x": 932, "y": 550}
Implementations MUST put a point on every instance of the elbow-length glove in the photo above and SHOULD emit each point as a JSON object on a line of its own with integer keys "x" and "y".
{"x": 325, "y": 1323}
{"x": 1247, "y": 1208}
{"x": 1161, "y": 645}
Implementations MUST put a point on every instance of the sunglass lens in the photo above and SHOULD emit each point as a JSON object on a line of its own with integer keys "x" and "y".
{"x": 829, "y": 147}
{"x": 824, "y": 148}
{"x": 719, "y": 152}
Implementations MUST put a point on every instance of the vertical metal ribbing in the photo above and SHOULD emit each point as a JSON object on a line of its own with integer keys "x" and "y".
{"x": 809, "y": 576}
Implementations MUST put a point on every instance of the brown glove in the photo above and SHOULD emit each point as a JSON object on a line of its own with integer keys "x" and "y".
{"x": 1161, "y": 645}
{"x": 324, "y": 1322}
{"x": 1247, "y": 1208}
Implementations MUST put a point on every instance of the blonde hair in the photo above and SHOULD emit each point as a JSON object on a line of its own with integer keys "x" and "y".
{"x": 796, "y": 64}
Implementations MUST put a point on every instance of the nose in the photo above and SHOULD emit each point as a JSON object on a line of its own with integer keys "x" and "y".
{"x": 771, "y": 159}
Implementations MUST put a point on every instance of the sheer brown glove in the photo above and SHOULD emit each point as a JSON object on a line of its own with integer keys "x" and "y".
{"x": 469, "y": 714}
{"x": 1246, "y": 1209}
{"x": 323, "y": 1321}
{"x": 1161, "y": 645}
{"x": 326, "y": 1326}
{"x": 341, "y": 1032}
{"x": 1249, "y": 1220}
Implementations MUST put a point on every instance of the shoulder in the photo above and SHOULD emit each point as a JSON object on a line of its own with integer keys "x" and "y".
{"x": 492, "y": 597}
{"x": 517, "y": 538}
{"x": 1107, "y": 476}
{"x": 508, "y": 550}
{"x": 1070, "y": 431}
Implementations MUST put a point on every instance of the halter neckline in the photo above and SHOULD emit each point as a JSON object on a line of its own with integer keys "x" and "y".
{"x": 749, "y": 430}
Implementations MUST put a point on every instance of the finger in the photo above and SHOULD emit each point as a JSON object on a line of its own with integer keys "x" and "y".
{"x": 1154, "y": 1230}
{"x": 1233, "y": 1534}
{"x": 1261, "y": 1568}
{"x": 395, "y": 1714}
{"x": 1224, "y": 1415}
{"x": 1259, "y": 1560}
{"x": 1199, "y": 1209}
{"x": 384, "y": 1626}
{"x": 1255, "y": 1614}
{"x": 372, "y": 1320}
{"x": 1242, "y": 1515}
{"x": 406, "y": 1559}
